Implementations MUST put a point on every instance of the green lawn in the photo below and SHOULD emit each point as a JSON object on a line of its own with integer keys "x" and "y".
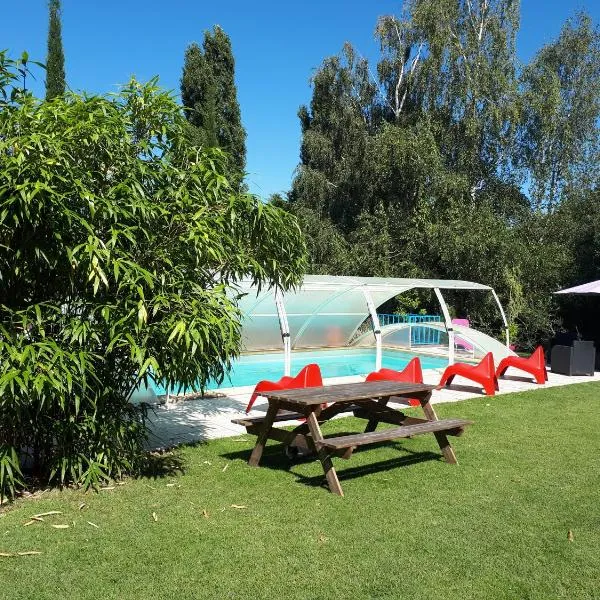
{"x": 410, "y": 526}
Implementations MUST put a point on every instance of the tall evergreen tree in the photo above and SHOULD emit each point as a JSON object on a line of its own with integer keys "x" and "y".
{"x": 209, "y": 93}
{"x": 55, "y": 61}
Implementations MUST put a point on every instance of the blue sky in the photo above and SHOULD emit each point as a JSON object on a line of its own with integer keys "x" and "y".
{"x": 277, "y": 46}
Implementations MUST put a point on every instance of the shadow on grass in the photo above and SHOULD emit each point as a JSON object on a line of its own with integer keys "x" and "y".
{"x": 274, "y": 457}
{"x": 378, "y": 467}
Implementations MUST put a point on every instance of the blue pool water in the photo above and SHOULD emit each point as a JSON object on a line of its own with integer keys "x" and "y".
{"x": 251, "y": 368}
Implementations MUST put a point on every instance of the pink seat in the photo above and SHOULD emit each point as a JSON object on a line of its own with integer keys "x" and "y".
{"x": 309, "y": 376}
{"x": 484, "y": 374}
{"x": 412, "y": 373}
{"x": 461, "y": 341}
{"x": 463, "y": 322}
{"x": 534, "y": 365}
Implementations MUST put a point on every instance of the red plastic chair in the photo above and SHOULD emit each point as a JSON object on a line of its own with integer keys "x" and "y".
{"x": 309, "y": 376}
{"x": 412, "y": 373}
{"x": 534, "y": 365}
{"x": 484, "y": 374}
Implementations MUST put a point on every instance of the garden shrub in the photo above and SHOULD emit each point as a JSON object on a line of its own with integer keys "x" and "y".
{"x": 120, "y": 246}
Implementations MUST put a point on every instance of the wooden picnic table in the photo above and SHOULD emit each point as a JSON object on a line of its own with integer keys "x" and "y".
{"x": 367, "y": 400}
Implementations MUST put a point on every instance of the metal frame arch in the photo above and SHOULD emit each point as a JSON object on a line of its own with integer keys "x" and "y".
{"x": 506, "y": 331}
{"x": 285, "y": 332}
{"x": 448, "y": 323}
{"x": 376, "y": 327}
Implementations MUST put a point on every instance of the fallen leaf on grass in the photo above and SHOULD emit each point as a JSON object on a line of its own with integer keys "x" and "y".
{"x": 82, "y": 506}
{"x": 238, "y": 506}
{"x": 93, "y": 524}
{"x": 225, "y": 467}
{"x": 205, "y": 513}
{"x": 47, "y": 514}
{"x": 61, "y": 526}
{"x": 570, "y": 536}
{"x": 154, "y": 516}
{"x": 31, "y": 522}
{"x": 207, "y": 462}
{"x": 170, "y": 485}
{"x": 26, "y": 553}
{"x": 108, "y": 487}
{"x": 322, "y": 539}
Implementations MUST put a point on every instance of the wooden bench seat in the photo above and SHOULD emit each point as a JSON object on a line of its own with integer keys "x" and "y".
{"x": 282, "y": 415}
{"x": 288, "y": 415}
{"x": 447, "y": 426}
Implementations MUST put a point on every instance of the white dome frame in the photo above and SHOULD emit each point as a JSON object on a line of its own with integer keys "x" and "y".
{"x": 326, "y": 311}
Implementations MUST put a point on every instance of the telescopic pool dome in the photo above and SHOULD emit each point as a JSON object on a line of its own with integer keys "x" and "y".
{"x": 325, "y": 311}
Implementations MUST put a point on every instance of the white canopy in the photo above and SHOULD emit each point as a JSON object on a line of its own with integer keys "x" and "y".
{"x": 326, "y": 310}
{"x": 588, "y": 289}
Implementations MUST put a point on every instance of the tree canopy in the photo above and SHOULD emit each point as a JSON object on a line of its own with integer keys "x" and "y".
{"x": 560, "y": 146}
{"x": 448, "y": 159}
{"x": 55, "y": 61}
{"x": 209, "y": 93}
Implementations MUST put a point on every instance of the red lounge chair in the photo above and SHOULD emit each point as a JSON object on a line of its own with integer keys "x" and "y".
{"x": 412, "y": 373}
{"x": 310, "y": 376}
{"x": 534, "y": 365}
{"x": 484, "y": 374}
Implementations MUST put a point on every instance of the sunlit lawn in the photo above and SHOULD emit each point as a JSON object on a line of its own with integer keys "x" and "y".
{"x": 410, "y": 526}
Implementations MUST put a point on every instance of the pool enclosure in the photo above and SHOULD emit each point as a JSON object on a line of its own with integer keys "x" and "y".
{"x": 337, "y": 311}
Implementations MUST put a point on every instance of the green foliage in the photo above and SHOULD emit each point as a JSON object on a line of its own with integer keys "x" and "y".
{"x": 577, "y": 227}
{"x": 560, "y": 145}
{"x": 209, "y": 94}
{"x": 444, "y": 160}
{"x": 328, "y": 250}
{"x": 55, "y": 61}
{"x": 119, "y": 251}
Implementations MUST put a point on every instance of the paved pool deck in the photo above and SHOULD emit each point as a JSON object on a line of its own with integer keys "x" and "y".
{"x": 185, "y": 421}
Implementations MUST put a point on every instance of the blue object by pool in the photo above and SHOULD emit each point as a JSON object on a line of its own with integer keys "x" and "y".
{"x": 249, "y": 369}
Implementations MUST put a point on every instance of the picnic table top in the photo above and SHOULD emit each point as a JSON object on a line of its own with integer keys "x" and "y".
{"x": 347, "y": 392}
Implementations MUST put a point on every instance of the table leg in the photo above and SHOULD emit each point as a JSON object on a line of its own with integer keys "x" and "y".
{"x": 328, "y": 468}
{"x": 373, "y": 422}
{"x": 262, "y": 438}
{"x": 440, "y": 436}
{"x": 445, "y": 447}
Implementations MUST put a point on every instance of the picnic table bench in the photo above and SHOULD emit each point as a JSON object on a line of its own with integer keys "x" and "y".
{"x": 368, "y": 400}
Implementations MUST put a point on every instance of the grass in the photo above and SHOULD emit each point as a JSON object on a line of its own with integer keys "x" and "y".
{"x": 410, "y": 526}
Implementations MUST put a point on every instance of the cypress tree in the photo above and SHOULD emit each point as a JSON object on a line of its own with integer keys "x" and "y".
{"x": 55, "y": 61}
{"x": 209, "y": 93}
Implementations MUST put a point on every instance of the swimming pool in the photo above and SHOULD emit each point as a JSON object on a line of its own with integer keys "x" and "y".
{"x": 249, "y": 369}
